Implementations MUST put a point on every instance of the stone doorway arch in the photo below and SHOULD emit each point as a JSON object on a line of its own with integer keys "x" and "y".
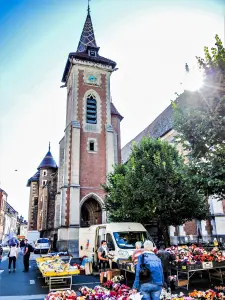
{"x": 90, "y": 211}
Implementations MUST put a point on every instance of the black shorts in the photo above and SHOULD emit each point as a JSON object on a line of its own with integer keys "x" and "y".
{"x": 103, "y": 266}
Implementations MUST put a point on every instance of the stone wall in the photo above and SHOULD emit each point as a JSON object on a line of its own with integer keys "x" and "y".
{"x": 52, "y": 189}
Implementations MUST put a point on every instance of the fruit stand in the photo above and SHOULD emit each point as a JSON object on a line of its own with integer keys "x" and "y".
{"x": 56, "y": 273}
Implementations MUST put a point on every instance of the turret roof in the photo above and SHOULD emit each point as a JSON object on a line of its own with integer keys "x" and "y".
{"x": 48, "y": 161}
{"x": 34, "y": 178}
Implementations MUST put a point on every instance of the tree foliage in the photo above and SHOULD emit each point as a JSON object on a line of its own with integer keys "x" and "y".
{"x": 153, "y": 185}
{"x": 200, "y": 122}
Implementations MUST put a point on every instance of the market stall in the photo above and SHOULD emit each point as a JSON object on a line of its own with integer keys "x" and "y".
{"x": 56, "y": 273}
{"x": 189, "y": 260}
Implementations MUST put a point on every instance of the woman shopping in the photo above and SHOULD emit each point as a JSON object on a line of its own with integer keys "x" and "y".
{"x": 104, "y": 267}
{"x": 13, "y": 254}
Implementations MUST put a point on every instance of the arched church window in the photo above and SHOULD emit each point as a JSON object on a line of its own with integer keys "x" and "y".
{"x": 91, "y": 110}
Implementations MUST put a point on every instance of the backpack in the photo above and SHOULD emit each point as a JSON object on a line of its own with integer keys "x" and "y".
{"x": 144, "y": 272}
{"x": 30, "y": 248}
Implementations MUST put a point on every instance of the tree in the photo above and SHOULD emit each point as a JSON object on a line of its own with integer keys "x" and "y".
{"x": 199, "y": 118}
{"x": 153, "y": 185}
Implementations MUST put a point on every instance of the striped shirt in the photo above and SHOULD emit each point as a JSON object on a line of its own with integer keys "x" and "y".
{"x": 136, "y": 254}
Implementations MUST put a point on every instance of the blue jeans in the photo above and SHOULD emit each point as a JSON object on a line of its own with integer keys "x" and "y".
{"x": 150, "y": 291}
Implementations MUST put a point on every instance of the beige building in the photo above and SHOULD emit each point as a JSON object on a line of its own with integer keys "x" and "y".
{"x": 10, "y": 221}
{"x": 162, "y": 127}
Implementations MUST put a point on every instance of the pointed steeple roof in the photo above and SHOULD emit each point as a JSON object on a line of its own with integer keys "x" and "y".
{"x": 87, "y": 36}
{"x": 48, "y": 161}
{"x": 87, "y": 49}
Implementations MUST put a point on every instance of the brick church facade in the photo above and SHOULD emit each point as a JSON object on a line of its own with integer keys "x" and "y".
{"x": 88, "y": 150}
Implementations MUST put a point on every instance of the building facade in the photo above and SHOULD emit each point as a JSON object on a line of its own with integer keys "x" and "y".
{"x": 43, "y": 188}
{"x": 10, "y": 221}
{"x": 3, "y": 200}
{"x": 91, "y": 144}
{"x": 22, "y": 227}
{"x": 162, "y": 127}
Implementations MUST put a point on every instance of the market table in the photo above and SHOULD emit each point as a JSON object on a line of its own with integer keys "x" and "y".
{"x": 58, "y": 278}
{"x": 190, "y": 272}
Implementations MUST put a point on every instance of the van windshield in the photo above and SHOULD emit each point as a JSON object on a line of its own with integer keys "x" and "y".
{"x": 43, "y": 241}
{"x": 127, "y": 240}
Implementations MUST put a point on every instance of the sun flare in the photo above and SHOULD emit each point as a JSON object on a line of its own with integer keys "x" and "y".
{"x": 193, "y": 81}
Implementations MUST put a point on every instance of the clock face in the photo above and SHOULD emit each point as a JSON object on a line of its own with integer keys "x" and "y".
{"x": 92, "y": 78}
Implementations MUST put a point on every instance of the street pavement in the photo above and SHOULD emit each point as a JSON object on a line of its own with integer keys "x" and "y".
{"x": 29, "y": 286}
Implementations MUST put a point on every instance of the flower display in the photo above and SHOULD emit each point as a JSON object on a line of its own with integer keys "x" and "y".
{"x": 115, "y": 291}
{"x": 117, "y": 279}
{"x": 62, "y": 295}
{"x": 122, "y": 292}
{"x": 191, "y": 255}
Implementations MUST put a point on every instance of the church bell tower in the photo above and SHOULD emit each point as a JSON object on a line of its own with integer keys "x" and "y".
{"x": 91, "y": 144}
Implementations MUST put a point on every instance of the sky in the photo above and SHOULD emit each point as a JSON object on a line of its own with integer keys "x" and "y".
{"x": 150, "y": 40}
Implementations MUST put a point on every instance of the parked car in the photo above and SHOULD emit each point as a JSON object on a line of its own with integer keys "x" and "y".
{"x": 42, "y": 245}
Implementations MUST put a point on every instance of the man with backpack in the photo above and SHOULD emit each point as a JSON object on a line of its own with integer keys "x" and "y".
{"x": 149, "y": 274}
{"x": 26, "y": 256}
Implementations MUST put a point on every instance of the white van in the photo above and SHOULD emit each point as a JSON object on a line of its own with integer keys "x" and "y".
{"x": 120, "y": 238}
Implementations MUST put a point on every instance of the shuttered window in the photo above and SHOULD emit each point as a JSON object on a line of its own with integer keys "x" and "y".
{"x": 91, "y": 110}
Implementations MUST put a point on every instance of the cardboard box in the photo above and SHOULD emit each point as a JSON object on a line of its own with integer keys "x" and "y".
{"x": 115, "y": 272}
{"x": 182, "y": 282}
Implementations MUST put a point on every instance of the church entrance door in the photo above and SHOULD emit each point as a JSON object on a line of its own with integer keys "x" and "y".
{"x": 91, "y": 213}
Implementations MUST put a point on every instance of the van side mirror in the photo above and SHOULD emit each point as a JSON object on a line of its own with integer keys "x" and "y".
{"x": 81, "y": 247}
{"x": 110, "y": 245}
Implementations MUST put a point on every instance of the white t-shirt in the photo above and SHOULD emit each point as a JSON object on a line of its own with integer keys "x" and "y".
{"x": 13, "y": 251}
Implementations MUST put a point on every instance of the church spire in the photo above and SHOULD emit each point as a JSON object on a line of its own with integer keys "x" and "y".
{"x": 87, "y": 36}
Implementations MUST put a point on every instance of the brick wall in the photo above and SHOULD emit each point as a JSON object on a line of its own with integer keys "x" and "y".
{"x": 93, "y": 165}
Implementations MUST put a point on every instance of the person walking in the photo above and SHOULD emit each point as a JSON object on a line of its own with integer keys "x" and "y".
{"x": 136, "y": 253}
{"x": 1, "y": 253}
{"x": 26, "y": 256}
{"x": 151, "y": 287}
{"x": 103, "y": 261}
{"x": 165, "y": 257}
{"x": 13, "y": 254}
